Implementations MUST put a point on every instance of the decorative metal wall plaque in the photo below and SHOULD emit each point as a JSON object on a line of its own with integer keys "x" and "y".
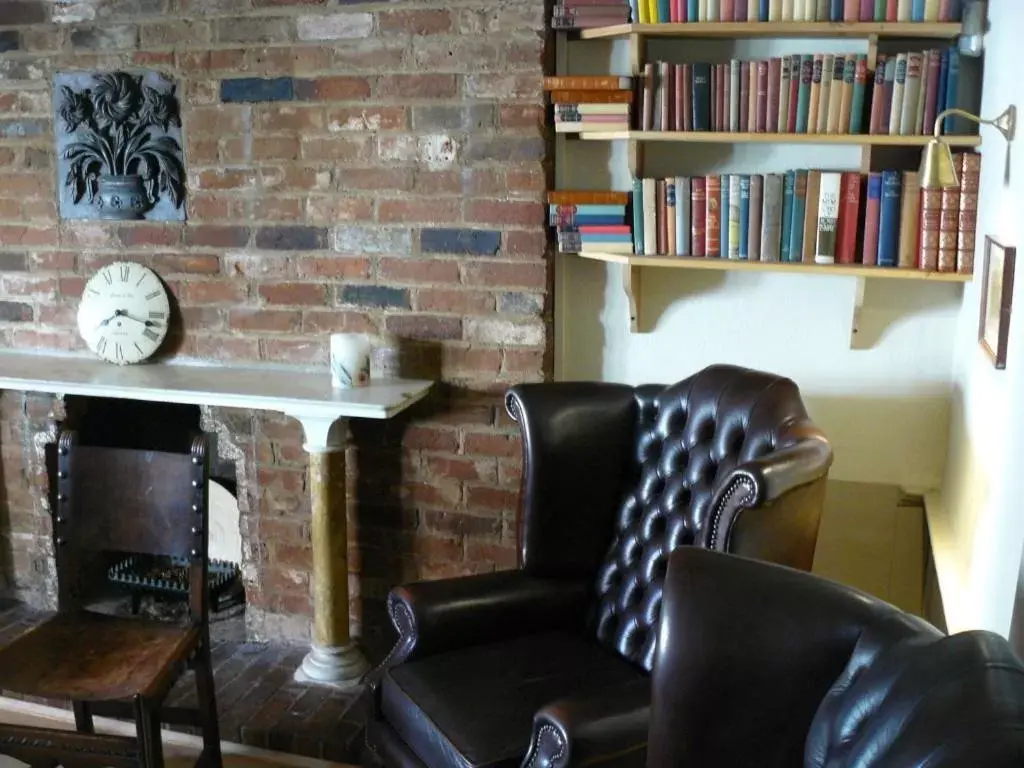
{"x": 119, "y": 146}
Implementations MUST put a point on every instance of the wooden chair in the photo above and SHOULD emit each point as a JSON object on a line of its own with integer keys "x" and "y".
{"x": 118, "y": 500}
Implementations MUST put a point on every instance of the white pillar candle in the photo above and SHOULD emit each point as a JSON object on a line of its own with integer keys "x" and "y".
{"x": 350, "y": 360}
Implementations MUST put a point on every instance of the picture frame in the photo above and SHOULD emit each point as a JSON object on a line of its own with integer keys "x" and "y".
{"x": 996, "y": 300}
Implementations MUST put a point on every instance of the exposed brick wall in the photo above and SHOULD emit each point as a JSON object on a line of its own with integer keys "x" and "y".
{"x": 361, "y": 166}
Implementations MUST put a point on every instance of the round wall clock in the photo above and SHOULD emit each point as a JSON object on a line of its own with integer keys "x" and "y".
{"x": 124, "y": 313}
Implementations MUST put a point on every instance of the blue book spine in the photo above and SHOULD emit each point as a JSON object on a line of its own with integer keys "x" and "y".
{"x": 889, "y": 220}
{"x": 603, "y": 238}
{"x": 763, "y": 11}
{"x": 723, "y": 214}
{"x": 702, "y": 97}
{"x": 803, "y": 99}
{"x": 836, "y": 12}
{"x": 788, "y": 188}
{"x": 796, "y": 227}
{"x": 940, "y": 101}
{"x": 664, "y": 11}
{"x": 638, "y": 217}
{"x": 588, "y": 209}
{"x": 692, "y": 10}
{"x": 952, "y": 88}
{"x": 917, "y": 11}
{"x": 956, "y": 10}
{"x": 744, "y": 217}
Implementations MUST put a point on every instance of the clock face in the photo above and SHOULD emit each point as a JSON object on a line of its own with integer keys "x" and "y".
{"x": 124, "y": 313}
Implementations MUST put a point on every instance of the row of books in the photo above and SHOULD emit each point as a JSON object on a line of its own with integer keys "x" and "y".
{"x": 586, "y": 14}
{"x": 808, "y": 93}
{"x": 601, "y": 103}
{"x": 591, "y": 221}
{"x": 681, "y": 11}
{"x": 823, "y": 217}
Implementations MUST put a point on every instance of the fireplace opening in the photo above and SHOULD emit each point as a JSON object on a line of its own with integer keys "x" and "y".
{"x": 158, "y": 586}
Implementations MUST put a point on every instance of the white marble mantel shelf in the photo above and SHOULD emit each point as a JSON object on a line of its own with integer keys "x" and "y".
{"x": 300, "y": 393}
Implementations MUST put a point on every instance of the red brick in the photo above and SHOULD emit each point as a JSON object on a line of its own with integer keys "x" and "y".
{"x": 214, "y": 292}
{"x": 502, "y": 556}
{"x": 531, "y": 178}
{"x": 430, "y": 86}
{"x": 504, "y": 212}
{"x": 489, "y": 444}
{"x": 324, "y": 209}
{"x": 484, "y": 470}
{"x": 219, "y": 120}
{"x": 419, "y": 270}
{"x": 440, "y": 493}
{"x": 28, "y": 286}
{"x": 457, "y": 301}
{"x": 523, "y": 361}
{"x": 30, "y": 339}
{"x": 53, "y": 260}
{"x": 480, "y": 360}
{"x": 366, "y": 118}
{"x": 338, "y": 148}
{"x": 72, "y": 286}
{"x": 288, "y": 555}
{"x": 227, "y": 178}
{"x": 431, "y": 438}
{"x": 295, "y": 351}
{"x": 278, "y": 321}
{"x": 207, "y": 207}
{"x": 217, "y": 236}
{"x": 13, "y": 234}
{"x": 375, "y": 178}
{"x": 149, "y": 234}
{"x": 204, "y": 151}
{"x": 416, "y": 211}
{"x": 336, "y": 321}
{"x": 294, "y": 59}
{"x": 424, "y": 327}
{"x": 497, "y": 499}
{"x": 277, "y": 208}
{"x": 371, "y": 55}
{"x": 309, "y": 294}
{"x": 289, "y": 118}
{"x": 337, "y": 88}
{"x": 425, "y": 22}
{"x": 497, "y": 274}
{"x": 276, "y": 148}
{"x": 202, "y": 319}
{"x": 24, "y": 184}
{"x": 527, "y": 244}
{"x": 335, "y": 267}
{"x": 185, "y": 263}
{"x": 438, "y": 183}
{"x": 460, "y": 524}
{"x": 522, "y": 116}
{"x": 89, "y": 234}
{"x": 10, "y": 209}
{"x": 226, "y": 348}
{"x": 154, "y": 59}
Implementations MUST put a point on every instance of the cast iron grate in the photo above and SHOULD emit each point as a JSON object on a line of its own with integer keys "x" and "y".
{"x": 168, "y": 577}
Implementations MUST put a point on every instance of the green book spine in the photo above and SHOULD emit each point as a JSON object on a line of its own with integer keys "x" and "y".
{"x": 860, "y": 87}
{"x": 803, "y": 99}
{"x": 788, "y": 187}
{"x": 796, "y": 228}
{"x": 638, "y": 216}
{"x": 723, "y": 214}
{"x": 879, "y": 10}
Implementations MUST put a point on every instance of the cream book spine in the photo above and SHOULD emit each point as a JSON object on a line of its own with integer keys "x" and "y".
{"x": 904, "y": 10}
{"x": 898, "y": 87}
{"x": 787, "y": 10}
{"x": 828, "y": 218}
{"x": 650, "y": 188}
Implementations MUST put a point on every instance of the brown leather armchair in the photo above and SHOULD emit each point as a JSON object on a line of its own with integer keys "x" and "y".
{"x": 787, "y": 669}
{"x": 614, "y": 479}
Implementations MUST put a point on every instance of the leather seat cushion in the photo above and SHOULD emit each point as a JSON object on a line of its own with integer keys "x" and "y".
{"x": 474, "y": 707}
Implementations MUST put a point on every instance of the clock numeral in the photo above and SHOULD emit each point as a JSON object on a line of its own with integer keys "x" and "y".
{"x": 93, "y": 292}
{"x": 108, "y": 277}
{"x": 101, "y": 345}
{"x": 157, "y": 315}
{"x": 126, "y": 271}
{"x": 152, "y": 295}
{"x": 150, "y": 334}
{"x": 142, "y": 277}
{"x": 118, "y": 352}
{"x": 139, "y": 348}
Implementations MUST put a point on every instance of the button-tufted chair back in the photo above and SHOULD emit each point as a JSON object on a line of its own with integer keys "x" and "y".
{"x": 691, "y": 437}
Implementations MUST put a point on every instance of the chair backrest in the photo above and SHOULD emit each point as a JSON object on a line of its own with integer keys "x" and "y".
{"x": 689, "y": 437}
{"x": 945, "y": 703}
{"x": 144, "y": 502}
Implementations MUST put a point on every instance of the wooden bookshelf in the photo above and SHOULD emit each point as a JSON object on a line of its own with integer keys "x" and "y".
{"x": 722, "y": 137}
{"x": 734, "y": 265}
{"x": 773, "y": 29}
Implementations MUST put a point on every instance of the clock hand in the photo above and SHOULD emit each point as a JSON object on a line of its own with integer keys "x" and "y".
{"x": 147, "y": 323}
{"x": 117, "y": 313}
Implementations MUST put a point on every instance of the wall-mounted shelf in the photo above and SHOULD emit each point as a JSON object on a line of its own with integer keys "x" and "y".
{"x": 776, "y": 29}
{"x": 632, "y": 274}
{"x": 724, "y": 137}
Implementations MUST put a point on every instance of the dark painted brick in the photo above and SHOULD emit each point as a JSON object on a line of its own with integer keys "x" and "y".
{"x": 296, "y": 238}
{"x": 114, "y": 36}
{"x": 20, "y": 129}
{"x": 14, "y": 311}
{"x": 9, "y": 41}
{"x": 476, "y": 242}
{"x": 464, "y": 118}
{"x": 521, "y": 303}
{"x": 504, "y": 149}
{"x": 257, "y": 89}
{"x": 17, "y": 262}
{"x": 425, "y": 327}
{"x": 24, "y": 12}
{"x": 376, "y": 296}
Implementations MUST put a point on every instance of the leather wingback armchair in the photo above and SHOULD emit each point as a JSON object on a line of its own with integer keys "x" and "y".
{"x": 549, "y": 664}
{"x": 787, "y": 669}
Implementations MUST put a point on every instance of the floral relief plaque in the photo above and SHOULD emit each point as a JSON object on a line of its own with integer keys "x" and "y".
{"x": 119, "y": 146}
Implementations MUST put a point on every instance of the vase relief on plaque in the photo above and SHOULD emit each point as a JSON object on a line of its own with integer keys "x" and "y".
{"x": 119, "y": 146}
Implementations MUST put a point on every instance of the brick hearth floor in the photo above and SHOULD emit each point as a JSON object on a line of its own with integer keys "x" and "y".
{"x": 259, "y": 703}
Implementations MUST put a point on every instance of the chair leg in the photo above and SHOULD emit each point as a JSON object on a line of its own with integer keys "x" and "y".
{"x": 83, "y": 717}
{"x": 147, "y": 730}
{"x": 207, "y": 705}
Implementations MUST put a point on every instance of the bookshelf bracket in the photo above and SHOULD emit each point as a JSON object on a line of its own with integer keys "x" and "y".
{"x": 631, "y": 282}
{"x": 858, "y": 305}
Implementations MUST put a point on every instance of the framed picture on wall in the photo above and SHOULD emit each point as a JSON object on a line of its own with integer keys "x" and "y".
{"x": 996, "y": 300}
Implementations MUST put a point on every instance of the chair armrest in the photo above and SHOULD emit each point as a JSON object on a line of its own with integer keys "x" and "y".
{"x": 770, "y": 508}
{"x": 578, "y": 442}
{"x": 435, "y": 616}
{"x": 747, "y": 651}
{"x": 608, "y": 728}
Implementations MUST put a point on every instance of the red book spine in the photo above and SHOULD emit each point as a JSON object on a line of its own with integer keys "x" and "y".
{"x": 728, "y": 12}
{"x": 744, "y": 95}
{"x": 872, "y": 215}
{"x": 849, "y": 212}
{"x": 761, "y": 119}
{"x": 726, "y": 78}
{"x": 969, "y": 168}
{"x": 928, "y": 242}
{"x": 851, "y": 10}
{"x": 948, "y": 215}
{"x": 794, "y": 96}
{"x": 774, "y": 84}
{"x": 673, "y": 12}
{"x": 892, "y": 10}
{"x": 698, "y": 209}
{"x": 713, "y": 216}
{"x": 946, "y": 10}
{"x": 687, "y": 97}
{"x": 678, "y": 97}
{"x": 932, "y": 96}
{"x": 877, "y": 97}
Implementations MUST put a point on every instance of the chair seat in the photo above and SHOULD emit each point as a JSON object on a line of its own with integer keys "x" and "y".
{"x": 93, "y": 657}
{"x": 474, "y": 707}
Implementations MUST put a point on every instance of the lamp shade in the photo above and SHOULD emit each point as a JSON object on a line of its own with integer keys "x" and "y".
{"x": 937, "y": 171}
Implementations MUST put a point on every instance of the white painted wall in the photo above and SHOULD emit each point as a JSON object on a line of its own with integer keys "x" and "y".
{"x": 885, "y": 408}
{"x": 979, "y": 515}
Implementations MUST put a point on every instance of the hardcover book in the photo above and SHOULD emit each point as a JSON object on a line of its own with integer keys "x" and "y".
{"x": 931, "y": 212}
{"x": 969, "y": 165}
{"x": 735, "y": 93}
{"x": 771, "y": 217}
{"x": 796, "y": 227}
{"x": 877, "y": 97}
{"x": 828, "y": 218}
{"x": 794, "y": 95}
{"x": 898, "y": 90}
{"x": 786, "y": 219}
{"x": 670, "y": 216}
{"x": 743, "y": 252}
{"x": 662, "y": 243}
{"x": 872, "y": 210}
{"x": 911, "y": 94}
{"x": 814, "y": 100}
{"x": 811, "y": 215}
{"x": 860, "y": 87}
{"x": 638, "y": 216}
{"x": 828, "y": 65}
{"x": 849, "y": 218}
{"x": 889, "y": 219}
{"x": 698, "y": 215}
{"x": 948, "y": 218}
{"x": 756, "y": 214}
{"x": 712, "y": 216}
{"x": 804, "y": 94}
{"x": 835, "y": 99}
{"x": 846, "y": 100}
{"x": 723, "y": 216}
{"x": 682, "y": 216}
{"x": 701, "y": 97}
{"x": 771, "y": 124}
{"x": 761, "y": 118}
{"x": 650, "y": 228}
{"x": 744, "y": 99}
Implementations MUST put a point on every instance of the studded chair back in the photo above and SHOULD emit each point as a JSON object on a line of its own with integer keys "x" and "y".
{"x": 144, "y": 502}
{"x": 690, "y": 438}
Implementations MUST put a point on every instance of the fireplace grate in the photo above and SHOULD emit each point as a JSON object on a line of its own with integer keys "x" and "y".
{"x": 168, "y": 577}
